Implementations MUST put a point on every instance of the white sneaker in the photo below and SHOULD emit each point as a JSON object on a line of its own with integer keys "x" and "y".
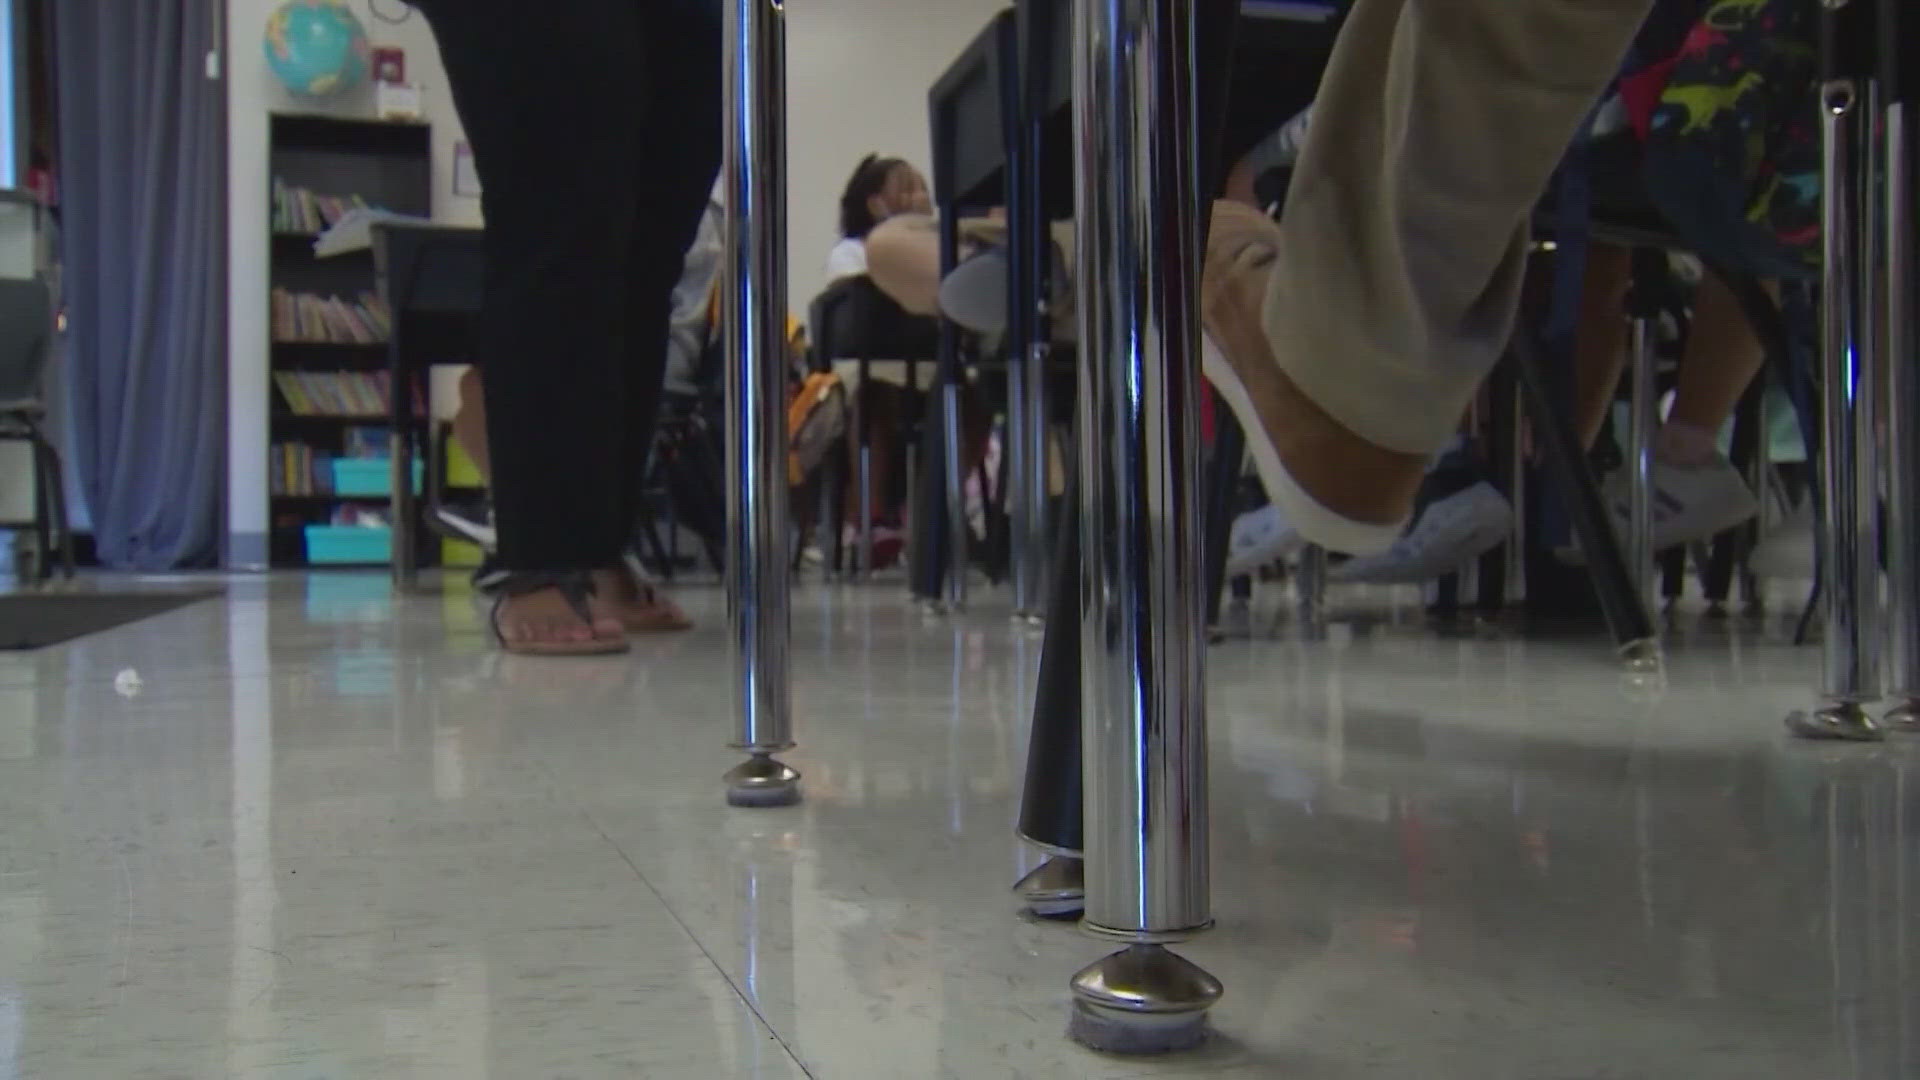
{"x": 1260, "y": 538}
{"x": 1688, "y": 504}
{"x": 475, "y": 528}
{"x": 1450, "y": 532}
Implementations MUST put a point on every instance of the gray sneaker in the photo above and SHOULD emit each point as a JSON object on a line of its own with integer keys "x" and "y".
{"x": 1449, "y": 533}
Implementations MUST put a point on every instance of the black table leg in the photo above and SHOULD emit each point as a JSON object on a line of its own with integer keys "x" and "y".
{"x": 1626, "y": 613}
{"x": 1050, "y": 805}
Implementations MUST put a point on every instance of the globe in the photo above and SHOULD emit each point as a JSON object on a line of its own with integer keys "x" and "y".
{"x": 317, "y": 47}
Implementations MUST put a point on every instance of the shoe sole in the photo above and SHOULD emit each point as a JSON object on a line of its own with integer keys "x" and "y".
{"x": 468, "y": 531}
{"x": 1315, "y": 523}
{"x": 1731, "y": 516}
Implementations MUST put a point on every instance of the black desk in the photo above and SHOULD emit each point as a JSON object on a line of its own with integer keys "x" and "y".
{"x": 1280, "y": 49}
{"x": 1001, "y": 124}
{"x": 422, "y": 270}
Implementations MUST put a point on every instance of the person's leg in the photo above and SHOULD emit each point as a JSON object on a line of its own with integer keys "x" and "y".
{"x": 470, "y": 424}
{"x": 1390, "y": 290}
{"x": 1723, "y": 356}
{"x": 1600, "y": 340}
{"x": 546, "y": 95}
{"x": 1700, "y": 493}
{"x": 678, "y": 143}
{"x": 903, "y": 259}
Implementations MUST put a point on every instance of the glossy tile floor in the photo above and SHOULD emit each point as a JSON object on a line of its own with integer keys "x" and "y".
{"x": 321, "y": 834}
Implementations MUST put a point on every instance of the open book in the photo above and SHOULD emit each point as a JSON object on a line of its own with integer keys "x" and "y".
{"x": 354, "y": 231}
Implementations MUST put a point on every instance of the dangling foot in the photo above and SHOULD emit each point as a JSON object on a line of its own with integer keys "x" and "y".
{"x": 554, "y": 614}
{"x": 1337, "y": 489}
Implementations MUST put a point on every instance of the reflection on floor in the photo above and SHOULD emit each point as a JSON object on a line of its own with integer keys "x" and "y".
{"x": 325, "y": 834}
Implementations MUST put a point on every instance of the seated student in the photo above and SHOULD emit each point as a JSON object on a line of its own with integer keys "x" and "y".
{"x": 881, "y": 188}
{"x": 1350, "y": 338}
{"x": 1464, "y": 516}
{"x": 888, "y": 232}
{"x": 1699, "y": 493}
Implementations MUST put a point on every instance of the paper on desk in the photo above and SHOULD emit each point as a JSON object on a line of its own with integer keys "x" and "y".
{"x": 354, "y": 232}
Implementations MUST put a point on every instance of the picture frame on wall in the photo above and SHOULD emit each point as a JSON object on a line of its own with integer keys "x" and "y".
{"x": 390, "y": 66}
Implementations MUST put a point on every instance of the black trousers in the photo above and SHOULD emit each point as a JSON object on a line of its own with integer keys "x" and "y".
{"x": 596, "y": 130}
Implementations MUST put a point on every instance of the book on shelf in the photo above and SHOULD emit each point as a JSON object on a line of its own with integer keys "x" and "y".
{"x": 308, "y": 318}
{"x": 342, "y": 393}
{"x": 303, "y": 212}
{"x": 296, "y": 469}
{"x": 366, "y": 442}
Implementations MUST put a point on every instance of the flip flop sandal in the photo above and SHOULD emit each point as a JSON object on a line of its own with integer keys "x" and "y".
{"x": 651, "y": 613}
{"x": 576, "y": 587}
{"x": 648, "y": 612}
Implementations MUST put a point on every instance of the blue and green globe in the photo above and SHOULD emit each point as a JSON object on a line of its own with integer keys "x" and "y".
{"x": 318, "y": 48}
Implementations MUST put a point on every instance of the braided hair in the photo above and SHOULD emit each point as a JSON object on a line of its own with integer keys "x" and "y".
{"x": 869, "y": 179}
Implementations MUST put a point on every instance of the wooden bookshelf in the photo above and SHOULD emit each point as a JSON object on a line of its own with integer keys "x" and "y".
{"x": 332, "y": 163}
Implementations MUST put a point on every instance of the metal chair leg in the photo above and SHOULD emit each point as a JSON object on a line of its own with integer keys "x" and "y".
{"x": 42, "y": 507}
{"x": 754, "y": 295}
{"x": 1624, "y": 606}
{"x": 1903, "y": 406}
{"x": 62, "y": 522}
{"x": 1850, "y": 583}
{"x": 1142, "y": 633}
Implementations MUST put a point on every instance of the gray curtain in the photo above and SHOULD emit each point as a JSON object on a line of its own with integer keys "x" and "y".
{"x": 142, "y": 175}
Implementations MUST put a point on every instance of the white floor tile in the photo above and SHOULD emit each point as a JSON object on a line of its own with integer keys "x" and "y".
{"x": 332, "y": 835}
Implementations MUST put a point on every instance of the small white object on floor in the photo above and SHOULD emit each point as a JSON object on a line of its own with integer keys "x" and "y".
{"x": 127, "y": 683}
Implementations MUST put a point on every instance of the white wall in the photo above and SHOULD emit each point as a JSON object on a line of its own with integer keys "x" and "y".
{"x": 253, "y": 93}
{"x": 858, "y": 72}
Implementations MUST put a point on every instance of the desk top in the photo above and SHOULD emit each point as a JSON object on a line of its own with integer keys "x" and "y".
{"x": 1280, "y": 49}
{"x": 429, "y": 268}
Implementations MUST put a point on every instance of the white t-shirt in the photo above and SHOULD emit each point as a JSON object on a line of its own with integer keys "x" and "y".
{"x": 847, "y": 259}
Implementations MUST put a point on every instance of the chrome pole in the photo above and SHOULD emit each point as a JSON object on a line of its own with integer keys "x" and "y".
{"x": 863, "y": 471}
{"x": 755, "y": 299}
{"x": 1517, "y": 483}
{"x": 1849, "y": 537}
{"x": 1903, "y": 426}
{"x": 866, "y": 513}
{"x": 1034, "y": 435}
{"x": 1020, "y": 555}
{"x": 1310, "y": 583}
{"x": 1641, "y": 426}
{"x": 956, "y": 479}
{"x": 1760, "y": 478}
{"x": 1141, "y": 628}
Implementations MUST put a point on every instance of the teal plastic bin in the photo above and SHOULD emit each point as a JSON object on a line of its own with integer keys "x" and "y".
{"x": 347, "y": 545}
{"x": 369, "y": 476}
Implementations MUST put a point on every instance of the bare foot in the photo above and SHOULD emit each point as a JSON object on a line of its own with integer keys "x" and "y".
{"x": 638, "y": 606}
{"x": 544, "y": 621}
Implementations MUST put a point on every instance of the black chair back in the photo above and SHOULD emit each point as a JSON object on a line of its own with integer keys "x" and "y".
{"x": 854, "y": 320}
{"x": 26, "y": 337}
